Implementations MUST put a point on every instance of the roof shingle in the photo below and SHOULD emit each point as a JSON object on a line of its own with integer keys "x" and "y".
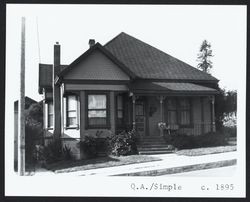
{"x": 150, "y": 63}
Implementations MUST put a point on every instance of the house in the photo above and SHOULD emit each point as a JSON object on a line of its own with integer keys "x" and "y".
{"x": 28, "y": 102}
{"x": 124, "y": 84}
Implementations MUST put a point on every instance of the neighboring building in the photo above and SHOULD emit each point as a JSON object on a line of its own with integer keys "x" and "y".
{"x": 28, "y": 103}
{"x": 124, "y": 84}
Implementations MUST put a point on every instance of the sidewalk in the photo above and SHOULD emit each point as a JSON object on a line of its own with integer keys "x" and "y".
{"x": 170, "y": 163}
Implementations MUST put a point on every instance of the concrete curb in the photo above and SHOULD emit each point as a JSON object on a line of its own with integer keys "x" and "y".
{"x": 181, "y": 169}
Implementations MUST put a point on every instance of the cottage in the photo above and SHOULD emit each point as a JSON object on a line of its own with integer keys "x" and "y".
{"x": 124, "y": 84}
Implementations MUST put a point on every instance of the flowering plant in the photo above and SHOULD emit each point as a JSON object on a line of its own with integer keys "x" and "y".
{"x": 162, "y": 126}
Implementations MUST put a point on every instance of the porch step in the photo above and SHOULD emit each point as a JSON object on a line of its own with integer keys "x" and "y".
{"x": 154, "y": 149}
{"x": 153, "y": 145}
{"x": 155, "y": 152}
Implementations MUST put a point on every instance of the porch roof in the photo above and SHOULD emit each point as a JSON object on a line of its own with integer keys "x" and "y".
{"x": 170, "y": 88}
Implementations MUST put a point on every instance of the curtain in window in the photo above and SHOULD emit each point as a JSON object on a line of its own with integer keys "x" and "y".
{"x": 97, "y": 110}
{"x": 120, "y": 112}
{"x": 171, "y": 111}
{"x": 50, "y": 115}
{"x": 71, "y": 110}
{"x": 184, "y": 105}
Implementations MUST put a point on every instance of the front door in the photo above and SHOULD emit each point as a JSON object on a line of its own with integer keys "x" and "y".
{"x": 140, "y": 117}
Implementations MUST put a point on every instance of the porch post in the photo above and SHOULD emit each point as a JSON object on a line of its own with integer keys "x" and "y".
{"x": 133, "y": 101}
{"x": 213, "y": 114}
{"x": 202, "y": 115}
{"x": 161, "y": 98}
{"x": 161, "y": 108}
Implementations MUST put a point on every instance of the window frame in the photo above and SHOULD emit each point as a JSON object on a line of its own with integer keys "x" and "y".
{"x": 178, "y": 111}
{"x": 122, "y": 110}
{"x": 49, "y": 126}
{"x": 174, "y": 110}
{"x": 67, "y": 112}
{"x": 107, "y": 125}
{"x": 181, "y": 110}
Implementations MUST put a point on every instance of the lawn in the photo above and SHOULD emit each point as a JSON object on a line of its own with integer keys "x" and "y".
{"x": 206, "y": 150}
{"x": 100, "y": 162}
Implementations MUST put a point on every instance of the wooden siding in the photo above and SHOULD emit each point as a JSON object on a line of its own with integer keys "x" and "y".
{"x": 80, "y": 87}
{"x": 97, "y": 66}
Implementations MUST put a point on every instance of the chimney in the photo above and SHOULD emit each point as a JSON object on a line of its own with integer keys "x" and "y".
{"x": 57, "y": 55}
{"x": 56, "y": 92}
{"x": 91, "y": 42}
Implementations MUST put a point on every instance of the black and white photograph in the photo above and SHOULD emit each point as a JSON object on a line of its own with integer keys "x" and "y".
{"x": 125, "y": 100}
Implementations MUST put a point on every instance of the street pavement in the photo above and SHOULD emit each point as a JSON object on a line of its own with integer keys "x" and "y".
{"x": 227, "y": 171}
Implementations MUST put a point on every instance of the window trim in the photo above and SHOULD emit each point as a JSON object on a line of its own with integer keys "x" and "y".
{"x": 107, "y": 125}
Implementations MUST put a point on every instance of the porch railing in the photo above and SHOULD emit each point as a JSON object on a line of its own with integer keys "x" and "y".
{"x": 192, "y": 129}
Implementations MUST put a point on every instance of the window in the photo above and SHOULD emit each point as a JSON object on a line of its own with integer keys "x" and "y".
{"x": 171, "y": 111}
{"x": 178, "y": 111}
{"x": 120, "y": 109}
{"x": 71, "y": 111}
{"x": 184, "y": 106}
{"x": 97, "y": 110}
{"x": 50, "y": 114}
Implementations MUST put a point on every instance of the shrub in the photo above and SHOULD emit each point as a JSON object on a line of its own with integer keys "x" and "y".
{"x": 123, "y": 144}
{"x": 89, "y": 146}
{"x": 183, "y": 141}
{"x": 67, "y": 154}
{"x": 229, "y": 131}
{"x": 180, "y": 141}
{"x": 210, "y": 139}
{"x": 53, "y": 151}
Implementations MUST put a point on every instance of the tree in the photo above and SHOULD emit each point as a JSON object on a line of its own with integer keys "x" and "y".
{"x": 204, "y": 56}
{"x": 226, "y": 106}
{"x": 34, "y": 130}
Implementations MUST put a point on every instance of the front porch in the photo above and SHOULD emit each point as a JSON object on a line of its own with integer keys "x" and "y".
{"x": 192, "y": 115}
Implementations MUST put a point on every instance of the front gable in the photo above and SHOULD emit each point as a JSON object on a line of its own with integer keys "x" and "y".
{"x": 96, "y": 66}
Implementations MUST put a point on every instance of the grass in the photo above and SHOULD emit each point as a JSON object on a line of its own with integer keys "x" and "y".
{"x": 206, "y": 150}
{"x": 101, "y": 162}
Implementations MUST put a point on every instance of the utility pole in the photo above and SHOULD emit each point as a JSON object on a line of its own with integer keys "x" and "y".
{"x": 21, "y": 106}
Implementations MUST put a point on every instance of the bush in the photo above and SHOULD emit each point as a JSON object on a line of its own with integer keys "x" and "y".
{"x": 210, "y": 139}
{"x": 67, "y": 154}
{"x": 183, "y": 141}
{"x": 89, "y": 146}
{"x": 53, "y": 151}
{"x": 180, "y": 141}
{"x": 123, "y": 144}
{"x": 229, "y": 131}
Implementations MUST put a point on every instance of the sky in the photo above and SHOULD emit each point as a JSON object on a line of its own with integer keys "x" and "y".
{"x": 176, "y": 30}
